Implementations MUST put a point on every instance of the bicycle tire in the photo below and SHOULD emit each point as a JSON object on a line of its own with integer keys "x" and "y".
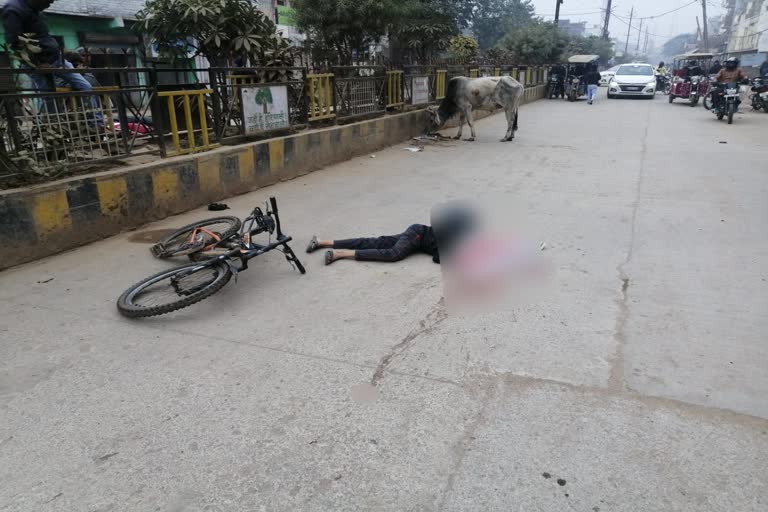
{"x": 170, "y": 245}
{"x": 127, "y": 308}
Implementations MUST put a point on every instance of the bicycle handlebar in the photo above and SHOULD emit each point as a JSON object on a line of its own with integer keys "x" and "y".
{"x": 273, "y": 204}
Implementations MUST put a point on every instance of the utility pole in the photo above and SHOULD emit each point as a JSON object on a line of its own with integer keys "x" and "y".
{"x": 557, "y": 11}
{"x": 698, "y": 29}
{"x": 705, "y": 32}
{"x": 629, "y": 30}
{"x": 645, "y": 47}
{"x": 639, "y": 35}
{"x": 607, "y": 19}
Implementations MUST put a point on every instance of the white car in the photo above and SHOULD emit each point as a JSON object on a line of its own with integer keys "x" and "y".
{"x": 636, "y": 79}
{"x": 607, "y": 75}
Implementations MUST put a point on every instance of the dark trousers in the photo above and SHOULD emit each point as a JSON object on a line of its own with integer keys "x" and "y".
{"x": 385, "y": 248}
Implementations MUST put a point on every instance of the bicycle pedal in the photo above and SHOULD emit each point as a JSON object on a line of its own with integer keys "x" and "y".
{"x": 157, "y": 250}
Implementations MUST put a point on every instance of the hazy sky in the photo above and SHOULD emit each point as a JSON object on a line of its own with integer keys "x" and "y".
{"x": 663, "y": 28}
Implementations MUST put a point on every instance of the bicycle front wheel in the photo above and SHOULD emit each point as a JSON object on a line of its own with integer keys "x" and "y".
{"x": 173, "y": 289}
{"x": 196, "y": 237}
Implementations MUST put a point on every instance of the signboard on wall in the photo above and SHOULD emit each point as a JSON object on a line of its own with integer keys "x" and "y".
{"x": 265, "y": 108}
{"x": 420, "y": 93}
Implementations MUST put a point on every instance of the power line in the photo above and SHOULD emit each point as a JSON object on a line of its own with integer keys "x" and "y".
{"x": 670, "y": 12}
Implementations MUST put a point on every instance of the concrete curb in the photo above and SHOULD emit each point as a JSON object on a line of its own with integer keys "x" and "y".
{"x": 46, "y": 219}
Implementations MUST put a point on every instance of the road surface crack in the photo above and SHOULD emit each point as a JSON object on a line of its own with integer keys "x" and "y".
{"x": 616, "y": 379}
{"x": 434, "y": 318}
{"x": 460, "y": 449}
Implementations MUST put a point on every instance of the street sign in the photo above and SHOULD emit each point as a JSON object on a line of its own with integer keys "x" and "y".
{"x": 420, "y": 93}
{"x": 265, "y": 108}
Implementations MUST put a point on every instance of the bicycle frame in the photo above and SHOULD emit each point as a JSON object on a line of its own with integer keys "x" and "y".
{"x": 246, "y": 249}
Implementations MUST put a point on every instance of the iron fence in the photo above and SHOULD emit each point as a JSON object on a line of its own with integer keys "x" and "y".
{"x": 181, "y": 110}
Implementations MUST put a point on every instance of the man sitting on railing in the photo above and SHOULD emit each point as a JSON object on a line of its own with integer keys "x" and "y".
{"x": 26, "y": 17}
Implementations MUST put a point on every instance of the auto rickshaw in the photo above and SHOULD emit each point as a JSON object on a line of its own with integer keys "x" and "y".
{"x": 575, "y": 86}
{"x": 690, "y": 77}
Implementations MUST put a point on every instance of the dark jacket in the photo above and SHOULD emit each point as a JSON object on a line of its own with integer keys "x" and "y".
{"x": 19, "y": 18}
{"x": 592, "y": 78}
{"x": 764, "y": 68}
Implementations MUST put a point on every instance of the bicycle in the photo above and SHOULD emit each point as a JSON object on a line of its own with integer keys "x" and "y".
{"x": 219, "y": 248}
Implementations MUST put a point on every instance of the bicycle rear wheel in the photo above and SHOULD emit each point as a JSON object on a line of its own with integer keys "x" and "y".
{"x": 195, "y": 237}
{"x": 173, "y": 289}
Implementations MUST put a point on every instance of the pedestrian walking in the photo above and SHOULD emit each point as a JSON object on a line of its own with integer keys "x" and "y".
{"x": 592, "y": 78}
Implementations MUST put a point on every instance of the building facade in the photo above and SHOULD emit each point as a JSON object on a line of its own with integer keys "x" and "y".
{"x": 747, "y": 31}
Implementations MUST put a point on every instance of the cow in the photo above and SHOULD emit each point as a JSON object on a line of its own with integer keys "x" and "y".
{"x": 463, "y": 95}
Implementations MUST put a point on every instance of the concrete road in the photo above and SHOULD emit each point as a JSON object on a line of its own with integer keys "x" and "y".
{"x": 638, "y": 384}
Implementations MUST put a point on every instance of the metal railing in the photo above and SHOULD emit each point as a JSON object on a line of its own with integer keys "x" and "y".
{"x": 321, "y": 104}
{"x": 178, "y": 111}
{"x": 191, "y": 145}
{"x": 395, "y": 89}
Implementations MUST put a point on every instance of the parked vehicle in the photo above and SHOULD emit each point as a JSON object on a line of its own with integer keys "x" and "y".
{"x": 759, "y": 95}
{"x": 221, "y": 248}
{"x": 689, "y": 77}
{"x": 636, "y": 79}
{"x": 575, "y": 86}
{"x": 723, "y": 100}
{"x": 556, "y": 86}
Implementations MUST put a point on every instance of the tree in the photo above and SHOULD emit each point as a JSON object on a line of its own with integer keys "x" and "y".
{"x": 536, "y": 43}
{"x": 591, "y": 45}
{"x": 491, "y": 20}
{"x": 339, "y": 27}
{"x": 463, "y": 49}
{"x": 221, "y": 30}
{"x": 424, "y": 27}
{"x": 264, "y": 98}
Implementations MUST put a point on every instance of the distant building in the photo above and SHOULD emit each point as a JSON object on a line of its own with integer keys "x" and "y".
{"x": 574, "y": 29}
{"x": 747, "y": 33}
{"x": 102, "y": 26}
{"x": 283, "y": 15}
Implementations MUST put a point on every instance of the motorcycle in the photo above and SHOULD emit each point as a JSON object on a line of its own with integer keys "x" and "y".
{"x": 723, "y": 100}
{"x": 663, "y": 83}
{"x": 759, "y": 94}
{"x": 555, "y": 87}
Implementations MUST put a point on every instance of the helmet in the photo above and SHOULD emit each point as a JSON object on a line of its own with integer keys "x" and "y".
{"x": 693, "y": 63}
{"x": 661, "y": 64}
{"x": 732, "y": 63}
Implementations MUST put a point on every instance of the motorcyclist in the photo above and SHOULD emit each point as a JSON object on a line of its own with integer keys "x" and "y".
{"x": 764, "y": 68}
{"x": 731, "y": 73}
{"x": 716, "y": 67}
{"x": 661, "y": 73}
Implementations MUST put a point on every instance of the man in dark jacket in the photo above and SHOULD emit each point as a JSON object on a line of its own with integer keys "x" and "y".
{"x": 592, "y": 78}
{"x": 26, "y": 17}
{"x": 764, "y": 68}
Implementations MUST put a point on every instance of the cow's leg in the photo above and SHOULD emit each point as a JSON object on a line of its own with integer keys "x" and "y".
{"x": 461, "y": 126}
{"x": 510, "y": 113}
{"x": 471, "y": 123}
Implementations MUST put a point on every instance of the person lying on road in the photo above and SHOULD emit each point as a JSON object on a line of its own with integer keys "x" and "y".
{"x": 417, "y": 238}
